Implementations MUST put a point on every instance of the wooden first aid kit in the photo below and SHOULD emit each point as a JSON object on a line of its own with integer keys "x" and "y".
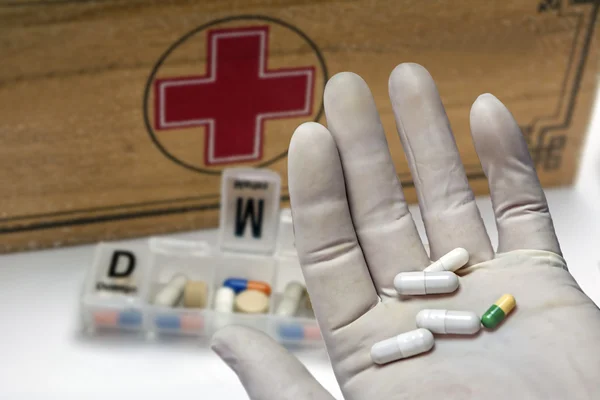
{"x": 117, "y": 117}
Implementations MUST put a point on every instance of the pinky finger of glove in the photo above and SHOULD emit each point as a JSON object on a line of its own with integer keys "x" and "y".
{"x": 267, "y": 370}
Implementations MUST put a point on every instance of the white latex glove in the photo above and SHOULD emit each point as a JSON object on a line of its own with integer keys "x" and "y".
{"x": 354, "y": 233}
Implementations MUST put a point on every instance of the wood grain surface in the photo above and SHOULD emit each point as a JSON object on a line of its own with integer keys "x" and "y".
{"x": 81, "y": 158}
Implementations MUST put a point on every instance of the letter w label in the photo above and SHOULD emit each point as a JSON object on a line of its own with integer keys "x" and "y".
{"x": 251, "y": 210}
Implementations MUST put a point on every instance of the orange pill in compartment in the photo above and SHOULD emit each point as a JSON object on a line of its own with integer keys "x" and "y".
{"x": 260, "y": 286}
{"x": 239, "y": 284}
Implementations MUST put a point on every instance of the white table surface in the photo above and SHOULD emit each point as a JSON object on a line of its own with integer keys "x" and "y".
{"x": 42, "y": 355}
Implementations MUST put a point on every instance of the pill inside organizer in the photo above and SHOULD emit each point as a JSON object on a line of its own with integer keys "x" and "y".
{"x": 243, "y": 296}
{"x": 293, "y": 304}
{"x": 292, "y": 297}
{"x": 171, "y": 293}
{"x": 195, "y": 294}
{"x": 293, "y": 301}
{"x": 251, "y": 301}
{"x": 239, "y": 284}
{"x": 224, "y": 299}
{"x": 181, "y": 291}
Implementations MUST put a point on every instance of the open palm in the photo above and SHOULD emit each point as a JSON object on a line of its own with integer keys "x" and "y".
{"x": 354, "y": 233}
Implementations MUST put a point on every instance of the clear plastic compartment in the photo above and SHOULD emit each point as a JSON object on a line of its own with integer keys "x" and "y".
{"x": 113, "y": 290}
{"x": 249, "y": 267}
{"x": 171, "y": 258}
{"x": 301, "y": 327}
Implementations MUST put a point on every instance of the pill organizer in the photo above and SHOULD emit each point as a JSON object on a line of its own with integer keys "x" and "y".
{"x": 255, "y": 244}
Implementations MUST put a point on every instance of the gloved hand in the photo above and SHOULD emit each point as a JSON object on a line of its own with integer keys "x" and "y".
{"x": 354, "y": 233}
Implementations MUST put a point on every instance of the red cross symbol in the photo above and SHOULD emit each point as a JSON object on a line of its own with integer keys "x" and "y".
{"x": 235, "y": 97}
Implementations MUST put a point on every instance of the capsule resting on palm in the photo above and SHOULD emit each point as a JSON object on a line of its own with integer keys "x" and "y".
{"x": 451, "y": 261}
{"x": 449, "y": 322}
{"x": 418, "y": 283}
{"x": 498, "y": 311}
{"x": 402, "y": 346}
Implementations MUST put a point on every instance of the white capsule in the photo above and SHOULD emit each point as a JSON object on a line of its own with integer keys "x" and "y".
{"x": 451, "y": 261}
{"x": 224, "y": 299}
{"x": 292, "y": 296}
{"x": 402, "y": 346}
{"x": 449, "y": 322}
{"x": 172, "y": 292}
{"x": 415, "y": 283}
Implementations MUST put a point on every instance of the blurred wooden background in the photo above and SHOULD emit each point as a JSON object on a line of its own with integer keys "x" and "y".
{"x": 81, "y": 158}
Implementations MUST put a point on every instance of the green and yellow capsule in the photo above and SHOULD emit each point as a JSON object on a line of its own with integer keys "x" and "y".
{"x": 498, "y": 311}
